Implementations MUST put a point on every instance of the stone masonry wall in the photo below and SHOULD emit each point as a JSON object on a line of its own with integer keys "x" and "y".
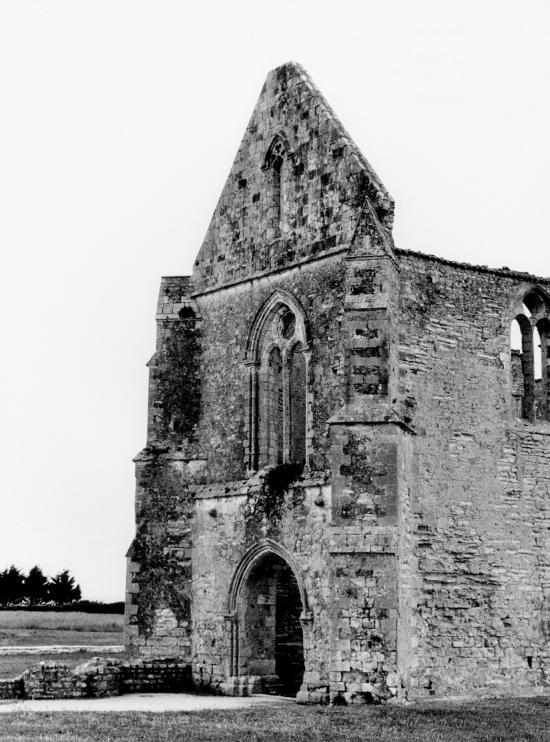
{"x": 323, "y": 182}
{"x": 174, "y": 369}
{"x": 157, "y": 616}
{"x": 299, "y": 197}
{"x": 350, "y": 622}
{"x": 228, "y": 525}
{"x": 417, "y": 527}
{"x": 11, "y": 688}
{"x": 480, "y": 484}
{"x": 227, "y": 320}
{"x": 160, "y": 566}
{"x": 98, "y": 678}
{"x": 195, "y": 522}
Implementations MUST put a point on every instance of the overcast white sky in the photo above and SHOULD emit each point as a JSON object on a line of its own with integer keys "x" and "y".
{"x": 118, "y": 125}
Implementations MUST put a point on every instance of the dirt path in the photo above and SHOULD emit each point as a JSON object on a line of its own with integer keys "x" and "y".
{"x": 62, "y": 649}
{"x": 152, "y": 702}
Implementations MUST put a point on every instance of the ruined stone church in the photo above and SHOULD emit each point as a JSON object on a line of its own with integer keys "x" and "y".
{"x": 345, "y": 491}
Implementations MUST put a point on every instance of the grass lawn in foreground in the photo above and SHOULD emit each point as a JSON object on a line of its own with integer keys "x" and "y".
{"x": 41, "y": 628}
{"x": 503, "y": 720}
{"x": 35, "y": 628}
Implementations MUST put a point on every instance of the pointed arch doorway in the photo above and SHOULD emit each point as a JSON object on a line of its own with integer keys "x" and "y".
{"x": 267, "y": 608}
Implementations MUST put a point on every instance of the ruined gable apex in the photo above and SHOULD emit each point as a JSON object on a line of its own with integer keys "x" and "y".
{"x": 299, "y": 188}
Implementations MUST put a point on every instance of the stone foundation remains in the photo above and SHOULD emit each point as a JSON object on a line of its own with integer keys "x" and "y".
{"x": 98, "y": 678}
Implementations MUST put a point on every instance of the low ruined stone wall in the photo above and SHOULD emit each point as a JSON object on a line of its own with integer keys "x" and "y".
{"x": 98, "y": 678}
{"x": 156, "y": 674}
{"x": 11, "y": 688}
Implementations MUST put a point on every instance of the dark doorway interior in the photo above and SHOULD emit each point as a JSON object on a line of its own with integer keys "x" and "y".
{"x": 270, "y": 633}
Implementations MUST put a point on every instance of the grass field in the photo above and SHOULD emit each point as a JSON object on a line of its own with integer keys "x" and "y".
{"x": 14, "y": 665}
{"x": 36, "y": 628}
{"x": 504, "y": 720}
{"x": 20, "y": 628}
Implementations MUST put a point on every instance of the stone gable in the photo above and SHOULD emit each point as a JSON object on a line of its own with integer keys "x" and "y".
{"x": 298, "y": 188}
{"x": 345, "y": 490}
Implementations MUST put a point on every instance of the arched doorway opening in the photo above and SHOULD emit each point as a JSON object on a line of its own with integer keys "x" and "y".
{"x": 268, "y": 637}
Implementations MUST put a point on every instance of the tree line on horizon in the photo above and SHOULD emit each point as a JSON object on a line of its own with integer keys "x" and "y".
{"x": 36, "y": 588}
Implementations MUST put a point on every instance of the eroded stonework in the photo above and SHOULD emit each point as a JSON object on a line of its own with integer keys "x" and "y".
{"x": 345, "y": 491}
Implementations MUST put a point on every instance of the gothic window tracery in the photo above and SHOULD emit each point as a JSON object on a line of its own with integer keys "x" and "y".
{"x": 278, "y": 358}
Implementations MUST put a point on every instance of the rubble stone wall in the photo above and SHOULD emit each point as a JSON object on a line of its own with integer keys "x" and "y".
{"x": 160, "y": 568}
{"x": 196, "y": 522}
{"x": 228, "y": 317}
{"x": 98, "y": 678}
{"x": 349, "y": 622}
{"x": 319, "y": 174}
{"x": 297, "y": 520}
{"x": 416, "y": 528}
{"x": 11, "y": 688}
{"x": 480, "y": 485}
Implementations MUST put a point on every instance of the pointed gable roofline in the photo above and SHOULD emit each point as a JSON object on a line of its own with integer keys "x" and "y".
{"x": 377, "y": 192}
{"x": 299, "y": 189}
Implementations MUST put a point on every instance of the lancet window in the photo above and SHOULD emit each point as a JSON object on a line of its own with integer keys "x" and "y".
{"x": 274, "y": 166}
{"x": 278, "y": 361}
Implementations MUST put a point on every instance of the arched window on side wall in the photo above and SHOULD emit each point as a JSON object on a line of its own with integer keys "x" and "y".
{"x": 529, "y": 342}
{"x": 278, "y": 362}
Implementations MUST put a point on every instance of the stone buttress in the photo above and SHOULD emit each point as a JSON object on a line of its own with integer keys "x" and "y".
{"x": 345, "y": 488}
{"x": 159, "y": 559}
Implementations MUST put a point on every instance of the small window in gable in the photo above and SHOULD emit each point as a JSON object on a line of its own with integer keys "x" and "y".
{"x": 275, "y": 167}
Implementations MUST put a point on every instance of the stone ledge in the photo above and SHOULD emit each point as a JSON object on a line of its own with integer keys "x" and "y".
{"x": 356, "y": 542}
{"x": 342, "y": 248}
{"x": 504, "y": 272}
{"x": 242, "y": 487}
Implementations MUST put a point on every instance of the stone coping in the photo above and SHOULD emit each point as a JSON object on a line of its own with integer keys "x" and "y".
{"x": 504, "y": 272}
{"x": 242, "y": 487}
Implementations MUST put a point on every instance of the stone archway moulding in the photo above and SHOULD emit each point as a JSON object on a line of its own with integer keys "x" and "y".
{"x": 249, "y": 560}
{"x": 256, "y": 450}
{"x": 516, "y": 305}
{"x": 261, "y": 549}
{"x": 277, "y": 298}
